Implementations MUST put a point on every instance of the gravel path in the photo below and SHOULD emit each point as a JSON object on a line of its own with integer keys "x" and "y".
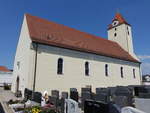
{"x": 5, "y": 96}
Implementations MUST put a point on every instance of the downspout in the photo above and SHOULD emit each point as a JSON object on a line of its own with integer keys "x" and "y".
{"x": 35, "y": 68}
{"x": 141, "y": 83}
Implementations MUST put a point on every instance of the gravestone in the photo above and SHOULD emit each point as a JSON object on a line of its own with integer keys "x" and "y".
{"x": 143, "y": 89}
{"x": 102, "y": 97}
{"x": 112, "y": 90}
{"x": 37, "y": 97}
{"x": 113, "y": 108}
{"x": 71, "y": 106}
{"x": 103, "y": 91}
{"x": 102, "y": 94}
{"x": 136, "y": 91}
{"x": 91, "y": 106}
{"x": 55, "y": 93}
{"x": 147, "y": 88}
{"x": 27, "y": 94}
{"x": 64, "y": 95}
{"x": 85, "y": 96}
{"x": 62, "y": 100}
{"x": 83, "y": 90}
{"x": 54, "y": 100}
{"x": 73, "y": 89}
{"x": 58, "y": 103}
{"x": 123, "y": 91}
{"x": 140, "y": 89}
{"x": 74, "y": 95}
{"x": 93, "y": 96}
{"x": 121, "y": 101}
{"x": 131, "y": 89}
{"x": 144, "y": 95}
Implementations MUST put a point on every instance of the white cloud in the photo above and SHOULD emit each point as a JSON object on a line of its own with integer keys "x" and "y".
{"x": 144, "y": 57}
{"x": 145, "y": 68}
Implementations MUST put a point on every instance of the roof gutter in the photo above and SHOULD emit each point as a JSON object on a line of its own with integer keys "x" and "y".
{"x": 141, "y": 81}
{"x": 71, "y": 48}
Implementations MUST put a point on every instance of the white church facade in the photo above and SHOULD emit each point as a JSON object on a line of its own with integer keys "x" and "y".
{"x": 52, "y": 56}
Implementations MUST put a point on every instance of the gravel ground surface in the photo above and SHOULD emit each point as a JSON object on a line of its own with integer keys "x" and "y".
{"x": 5, "y": 96}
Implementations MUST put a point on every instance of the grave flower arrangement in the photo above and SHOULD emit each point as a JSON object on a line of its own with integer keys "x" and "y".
{"x": 38, "y": 109}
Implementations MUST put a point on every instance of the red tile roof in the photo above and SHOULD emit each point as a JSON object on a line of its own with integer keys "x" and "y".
{"x": 50, "y": 33}
{"x": 119, "y": 18}
{"x": 4, "y": 69}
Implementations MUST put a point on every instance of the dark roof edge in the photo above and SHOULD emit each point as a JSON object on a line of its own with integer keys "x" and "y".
{"x": 117, "y": 26}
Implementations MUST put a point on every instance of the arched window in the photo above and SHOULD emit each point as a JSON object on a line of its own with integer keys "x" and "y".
{"x": 106, "y": 69}
{"x": 121, "y": 71}
{"x": 115, "y": 34}
{"x": 60, "y": 66}
{"x": 133, "y": 73}
{"x": 87, "y": 68}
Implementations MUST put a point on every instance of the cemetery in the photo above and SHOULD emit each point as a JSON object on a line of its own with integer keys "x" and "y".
{"x": 73, "y": 55}
{"x": 119, "y": 99}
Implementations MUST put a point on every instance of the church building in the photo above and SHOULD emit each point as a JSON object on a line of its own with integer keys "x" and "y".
{"x": 52, "y": 56}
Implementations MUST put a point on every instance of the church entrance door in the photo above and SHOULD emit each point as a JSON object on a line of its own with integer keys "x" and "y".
{"x": 17, "y": 84}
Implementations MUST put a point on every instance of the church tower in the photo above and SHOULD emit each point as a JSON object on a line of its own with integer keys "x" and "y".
{"x": 120, "y": 31}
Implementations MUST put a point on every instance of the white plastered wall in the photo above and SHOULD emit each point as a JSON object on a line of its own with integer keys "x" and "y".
{"x": 73, "y": 72}
{"x": 122, "y": 37}
{"x": 22, "y": 56}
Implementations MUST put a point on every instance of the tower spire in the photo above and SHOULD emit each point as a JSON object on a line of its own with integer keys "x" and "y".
{"x": 120, "y": 31}
{"x": 119, "y": 19}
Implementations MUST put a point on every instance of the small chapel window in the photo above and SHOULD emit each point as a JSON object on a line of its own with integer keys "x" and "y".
{"x": 87, "y": 68}
{"x": 121, "y": 71}
{"x": 106, "y": 69}
{"x": 18, "y": 65}
{"x": 133, "y": 73}
{"x": 115, "y": 34}
{"x": 60, "y": 66}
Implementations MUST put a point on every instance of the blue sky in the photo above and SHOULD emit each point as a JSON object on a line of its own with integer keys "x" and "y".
{"x": 92, "y": 16}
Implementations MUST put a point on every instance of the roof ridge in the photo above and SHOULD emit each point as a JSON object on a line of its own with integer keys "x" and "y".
{"x": 66, "y": 26}
{"x": 86, "y": 33}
